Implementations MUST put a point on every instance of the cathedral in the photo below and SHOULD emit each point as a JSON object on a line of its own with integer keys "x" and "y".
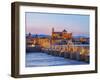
{"x": 60, "y": 36}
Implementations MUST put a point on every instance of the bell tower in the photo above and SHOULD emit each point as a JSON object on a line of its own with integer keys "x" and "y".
{"x": 52, "y": 41}
{"x": 52, "y": 30}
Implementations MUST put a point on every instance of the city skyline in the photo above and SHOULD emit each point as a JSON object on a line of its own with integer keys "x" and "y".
{"x": 42, "y": 23}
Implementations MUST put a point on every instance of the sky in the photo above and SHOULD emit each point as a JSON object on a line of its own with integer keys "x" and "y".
{"x": 42, "y": 23}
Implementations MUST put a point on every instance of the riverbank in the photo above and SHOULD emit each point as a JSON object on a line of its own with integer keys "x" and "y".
{"x": 73, "y": 52}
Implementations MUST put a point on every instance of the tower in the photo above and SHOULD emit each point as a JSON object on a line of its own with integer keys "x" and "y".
{"x": 29, "y": 35}
{"x": 52, "y": 40}
{"x": 52, "y": 30}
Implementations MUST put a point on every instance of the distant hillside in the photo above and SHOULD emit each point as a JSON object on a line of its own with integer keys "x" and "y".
{"x": 39, "y": 35}
{"x": 81, "y": 36}
{"x": 74, "y": 36}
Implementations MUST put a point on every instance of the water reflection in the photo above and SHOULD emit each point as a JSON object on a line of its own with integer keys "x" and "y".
{"x": 43, "y": 59}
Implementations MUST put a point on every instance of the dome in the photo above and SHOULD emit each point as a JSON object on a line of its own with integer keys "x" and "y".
{"x": 64, "y": 30}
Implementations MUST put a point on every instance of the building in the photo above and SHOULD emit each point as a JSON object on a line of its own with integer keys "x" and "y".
{"x": 32, "y": 41}
{"x": 59, "y": 37}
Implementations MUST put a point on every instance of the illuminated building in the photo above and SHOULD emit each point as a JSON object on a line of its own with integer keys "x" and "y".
{"x": 41, "y": 41}
{"x": 60, "y": 36}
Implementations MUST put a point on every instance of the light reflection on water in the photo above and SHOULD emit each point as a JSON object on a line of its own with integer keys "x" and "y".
{"x": 43, "y": 59}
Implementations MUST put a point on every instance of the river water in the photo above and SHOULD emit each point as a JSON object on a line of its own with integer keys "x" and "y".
{"x": 43, "y": 59}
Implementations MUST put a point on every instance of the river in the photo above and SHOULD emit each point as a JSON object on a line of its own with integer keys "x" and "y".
{"x": 43, "y": 59}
